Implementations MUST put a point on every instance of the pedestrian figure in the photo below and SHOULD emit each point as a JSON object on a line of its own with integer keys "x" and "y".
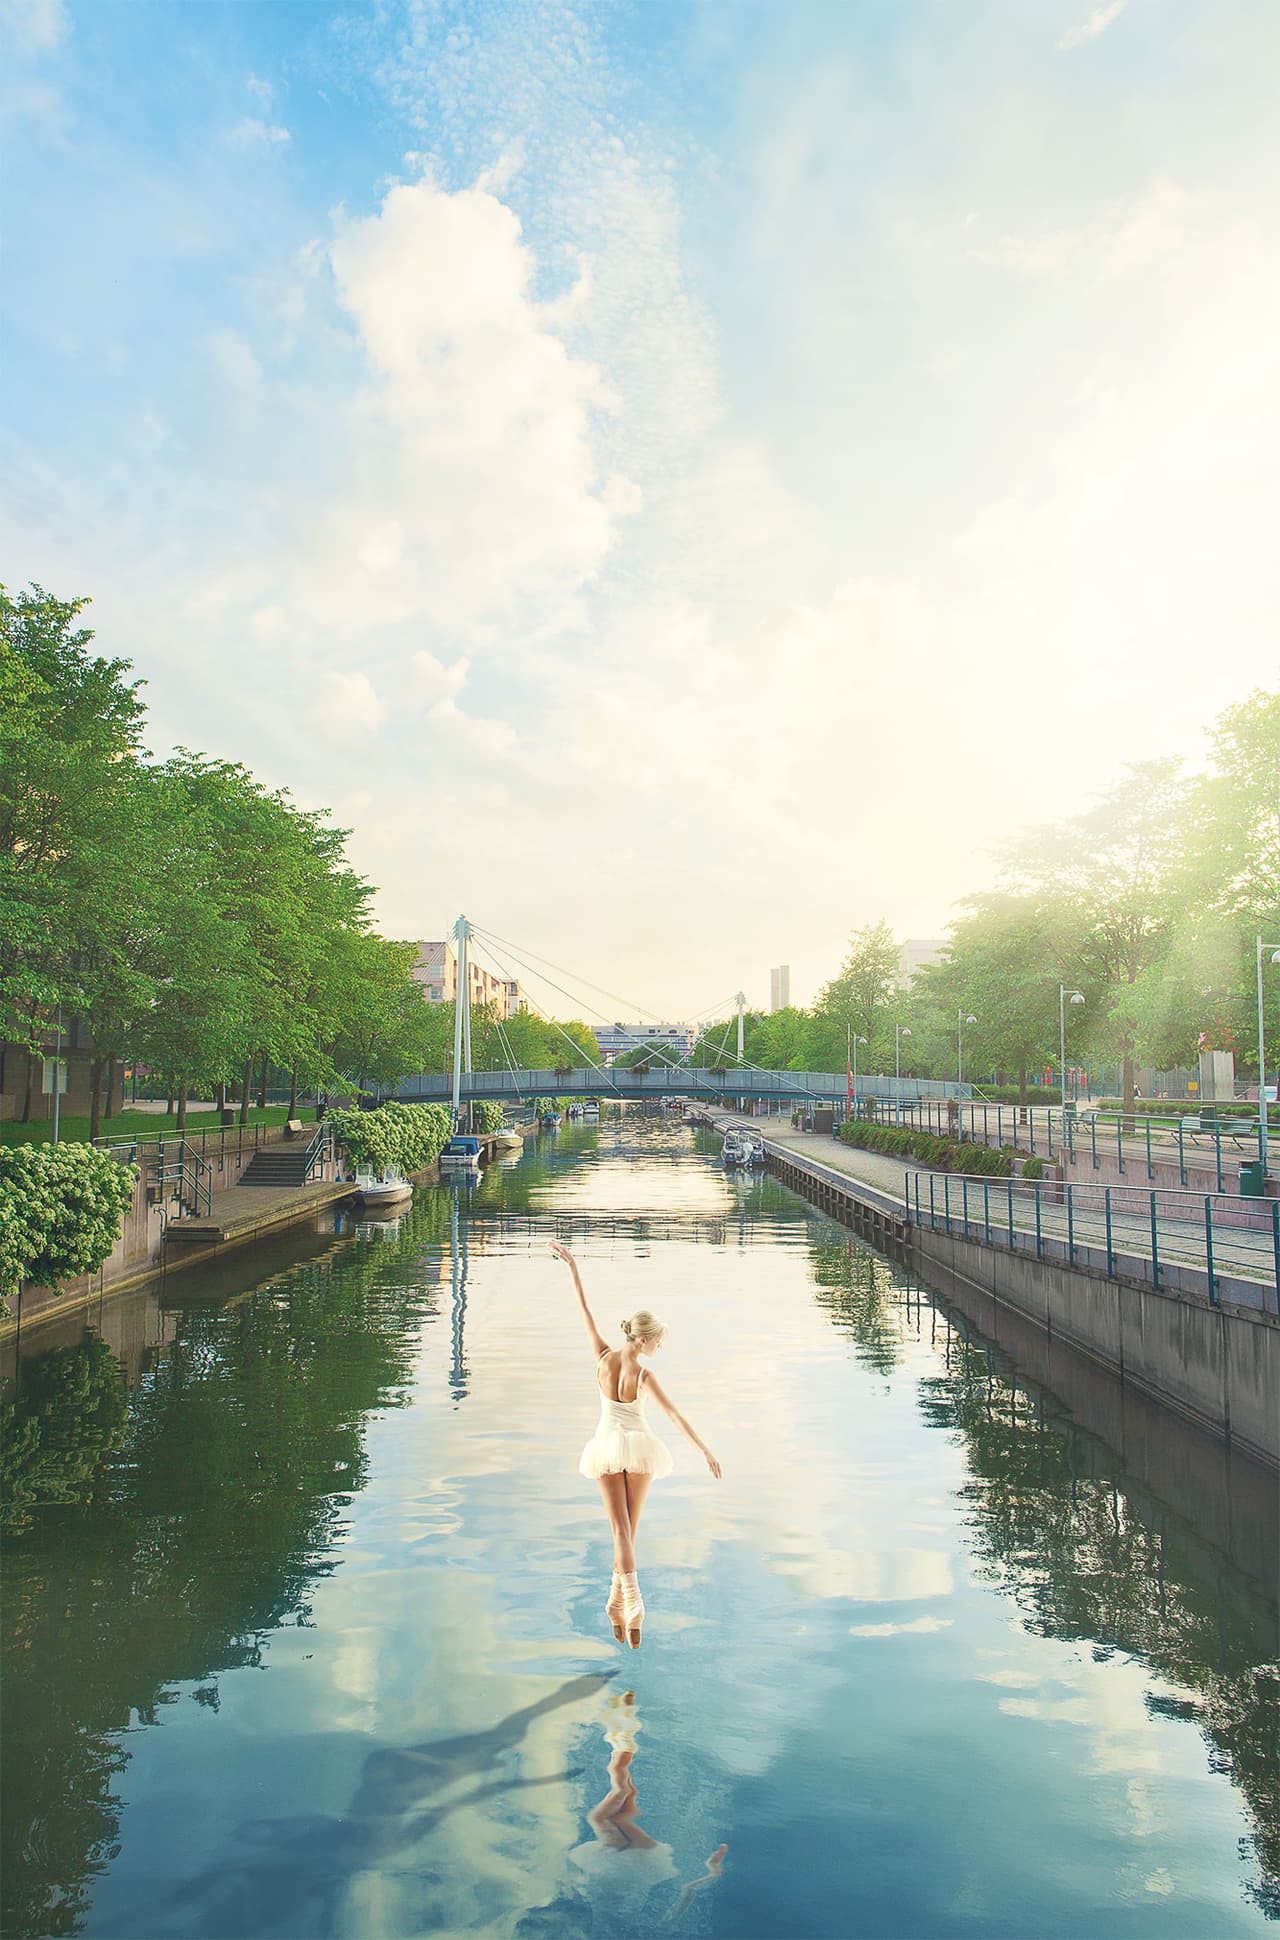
{"x": 624, "y": 1455}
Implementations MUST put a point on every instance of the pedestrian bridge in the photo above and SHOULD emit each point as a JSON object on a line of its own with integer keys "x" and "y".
{"x": 669, "y": 1081}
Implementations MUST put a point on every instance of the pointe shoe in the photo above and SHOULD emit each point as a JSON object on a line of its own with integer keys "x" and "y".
{"x": 632, "y": 1608}
{"x": 613, "y": 1609}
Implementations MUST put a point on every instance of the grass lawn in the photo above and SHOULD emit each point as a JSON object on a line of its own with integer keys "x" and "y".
{"x": 126, "y": 1123}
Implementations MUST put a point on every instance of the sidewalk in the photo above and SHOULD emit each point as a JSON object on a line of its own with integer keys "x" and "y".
{"x": 1238, "y": 1253}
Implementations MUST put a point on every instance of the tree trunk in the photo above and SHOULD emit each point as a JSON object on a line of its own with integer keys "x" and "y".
{"x": 115, "y": 1085}
{"x": 168, "y": 1103}
{"x": 262, "y": 1084}
{"x": 1022, "y": 1085}
{"x": 293, "y": 1092}
{"x": 220, "y": 1096}
{"x": 182, "y": 1107}
{"x": 28, "y": 1095}
{"x": 1127, "y": 1090}
{"x": 246, "y": 1086}
{"x": 95, "y": 1097}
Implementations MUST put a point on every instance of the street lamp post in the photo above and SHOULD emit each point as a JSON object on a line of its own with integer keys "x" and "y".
{"x": 1064, "y": 996}
{"x": 855, "y": 1042}
{"x": 1262, "y": 1058}
{"x": 960, "y": 1024}
{"x": 899, "y": 1032}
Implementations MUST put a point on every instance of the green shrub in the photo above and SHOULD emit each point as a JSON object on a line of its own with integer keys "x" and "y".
{"x": 945, "y": 1155}
{"x": 61, "y": 1212}
{"x": 394, "y": 1138}
{"x": 487, "y": 1115}
{"x": 1033, "y": 1168}
{"x": 1008, "y": 1094}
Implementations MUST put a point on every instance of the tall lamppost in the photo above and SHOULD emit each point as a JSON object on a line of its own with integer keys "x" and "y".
{"x": 899, "y": 1032}
{"x": 854, "y": 1042}
{"x": 1262, "y": 1059}
{"x": 1064, "y": 997}
{"x": 960, "y": 1024}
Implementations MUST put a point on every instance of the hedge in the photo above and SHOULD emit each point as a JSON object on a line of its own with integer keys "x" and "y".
{"x": 1010, "y": 1095}
{"x": 394, "y": 1138}
{"x": 947, "y": 1155}
{"x": 62, "y": 1208}
{"x": 487, "y": 1115}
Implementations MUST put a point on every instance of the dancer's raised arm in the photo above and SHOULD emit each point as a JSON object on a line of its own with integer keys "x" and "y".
{"x": 664, "y": 1401}
{"x": 598, "y": 1342}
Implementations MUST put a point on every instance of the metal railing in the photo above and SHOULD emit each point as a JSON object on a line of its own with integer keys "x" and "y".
{"x": 318, "y": 1151}
{"x": 214, "y": 1142}
{"x": 180, "y": 1166}
{"x": 1219, "y": 1243}
{"x": 1139, "y": 1142}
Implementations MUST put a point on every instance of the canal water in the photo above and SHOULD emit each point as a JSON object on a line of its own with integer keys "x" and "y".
{"x": 304, "y": 1631}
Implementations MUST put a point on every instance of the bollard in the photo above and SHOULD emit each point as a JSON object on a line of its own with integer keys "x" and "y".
{"x": 1208, "y": 1250}
{"x": 1155, "y": 1248}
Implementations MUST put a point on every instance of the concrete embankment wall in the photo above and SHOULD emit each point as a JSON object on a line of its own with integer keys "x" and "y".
{"x": 1218, "y": 1367}
{"x": 139, "y": 1251}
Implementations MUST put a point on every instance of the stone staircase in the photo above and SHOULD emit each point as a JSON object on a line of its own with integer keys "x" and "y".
{"x": 278, "y": 1165}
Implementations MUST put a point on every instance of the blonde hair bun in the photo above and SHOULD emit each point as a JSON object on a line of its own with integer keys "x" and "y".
{"x": 643, "y": 1326}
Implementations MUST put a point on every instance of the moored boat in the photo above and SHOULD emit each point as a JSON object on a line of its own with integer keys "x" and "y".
{"x": 383, "y": 1189}
{"x": 462, "y": 1154}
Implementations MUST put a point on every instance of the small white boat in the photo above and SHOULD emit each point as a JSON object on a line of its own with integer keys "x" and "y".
{"x": 379, "y": 1189}
{"x": 550, "y": 1120}
{"x": 743, "y": 1147}
{"x": 507, "y": 1142}
{"x": 462, "y": 1154}
{"x": 591, "y": 1113}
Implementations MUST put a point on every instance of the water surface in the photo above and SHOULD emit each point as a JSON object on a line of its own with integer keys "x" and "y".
{"x": 304, "y": 1630}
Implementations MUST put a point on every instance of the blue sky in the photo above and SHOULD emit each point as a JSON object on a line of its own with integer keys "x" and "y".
{"x": 679, "y": 481}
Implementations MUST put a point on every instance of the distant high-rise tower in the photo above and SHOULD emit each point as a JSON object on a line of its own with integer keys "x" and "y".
{"x": 780, "y": 987}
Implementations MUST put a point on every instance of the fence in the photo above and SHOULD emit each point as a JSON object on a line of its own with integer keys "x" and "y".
{"x": 1167, "y": 1237}
{"x": 1137, "y": 1143}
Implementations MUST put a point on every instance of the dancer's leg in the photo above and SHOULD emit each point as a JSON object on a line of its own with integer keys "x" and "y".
{"x": 613, "y": 1489}
{"x": 638, "y": 1487}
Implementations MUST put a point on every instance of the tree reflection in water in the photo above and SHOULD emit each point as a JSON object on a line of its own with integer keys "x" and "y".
{"x": 1084, "y": 1551}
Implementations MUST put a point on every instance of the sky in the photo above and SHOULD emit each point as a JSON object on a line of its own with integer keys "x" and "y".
{"x": 679, "y": 481}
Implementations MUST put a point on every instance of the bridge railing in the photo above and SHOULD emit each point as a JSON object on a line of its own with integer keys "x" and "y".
{"x": 682, "y": 1081}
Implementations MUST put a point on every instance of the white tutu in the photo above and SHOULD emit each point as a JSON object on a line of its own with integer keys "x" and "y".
{"x": 624, "y": 1440}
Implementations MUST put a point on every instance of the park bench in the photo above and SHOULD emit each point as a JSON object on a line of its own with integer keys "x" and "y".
{"x": 292, "y": 1127}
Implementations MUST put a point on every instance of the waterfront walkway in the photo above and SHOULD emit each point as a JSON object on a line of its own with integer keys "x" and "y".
{"x": 238, "y": 1212}
{"x": 1242, "y": 1259}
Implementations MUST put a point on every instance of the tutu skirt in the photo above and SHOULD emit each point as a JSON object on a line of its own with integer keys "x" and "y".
{"x": 613, "y": 1448}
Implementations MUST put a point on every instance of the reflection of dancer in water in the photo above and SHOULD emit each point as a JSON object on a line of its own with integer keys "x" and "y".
{"x": 624, "y": 1454}
{"x": 623, "y": 1864}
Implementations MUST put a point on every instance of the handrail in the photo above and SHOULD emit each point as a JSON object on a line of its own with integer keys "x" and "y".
{"x": 318, "y": 1150}
{"x": 1159, "y": 1233}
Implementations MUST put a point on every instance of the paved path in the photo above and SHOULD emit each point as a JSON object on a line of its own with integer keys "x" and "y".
{"x": 238, "y": 1211}
{"x": 1238, "y": 1252}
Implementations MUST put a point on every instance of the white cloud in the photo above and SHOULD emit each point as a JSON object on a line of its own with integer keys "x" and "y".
{"x": 1097, "y": 23}
{"x": 233, "y": 358}
{"x": 252, "y": 132}
{"x": 476, "y": 434}
{"x": 433, "y": 681}
{"x": 34, "y": 27}
{"x": 347, "y": 702}
{"x": 1127, "y": 238}
{"x": 921, "y": 1625}
{"x": 263, "y": 91}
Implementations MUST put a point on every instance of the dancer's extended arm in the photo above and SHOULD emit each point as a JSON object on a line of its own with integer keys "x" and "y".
{"x": 598, "y": 1342}
{"x": 664, "y": 1401}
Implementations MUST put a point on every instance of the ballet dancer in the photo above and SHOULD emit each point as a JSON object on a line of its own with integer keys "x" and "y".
{"x": 624, "y": 1455}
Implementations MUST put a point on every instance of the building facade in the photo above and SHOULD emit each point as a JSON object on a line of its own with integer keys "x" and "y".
{"x": 780, "y": 987}
{"x": 437, "y": 971}
{"x": 915, "y": 953}
{"x": 616, "y": 1040}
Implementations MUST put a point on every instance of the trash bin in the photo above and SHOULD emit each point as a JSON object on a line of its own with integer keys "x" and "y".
{"x": 1253, "y": 1183}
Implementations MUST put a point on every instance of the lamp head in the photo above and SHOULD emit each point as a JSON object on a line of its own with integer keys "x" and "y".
{"x": 1076, "y": 997}
{"x": 906, "y": 1030}
{"x": 1275, "y": 956}
{"x": 971, "y": 1019}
